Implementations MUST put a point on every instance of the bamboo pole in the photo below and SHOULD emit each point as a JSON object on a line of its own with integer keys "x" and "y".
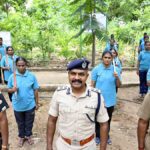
{"x": 14, "y": 72}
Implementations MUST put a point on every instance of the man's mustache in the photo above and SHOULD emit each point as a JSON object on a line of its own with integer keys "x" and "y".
{"x": 79, "y": 81}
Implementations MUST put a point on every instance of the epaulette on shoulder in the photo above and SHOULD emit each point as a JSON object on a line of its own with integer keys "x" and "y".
{"x": 61, "y": 88}
{"x": 95, "y": 90}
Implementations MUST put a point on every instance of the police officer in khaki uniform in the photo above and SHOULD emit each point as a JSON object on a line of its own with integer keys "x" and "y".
{"x": 143, "y": 130}
{"x": 74, "y": 106}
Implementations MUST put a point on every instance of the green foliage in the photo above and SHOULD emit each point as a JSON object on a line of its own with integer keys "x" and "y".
{"x": 86, "y": 17}
{"x": 46, "y": 27}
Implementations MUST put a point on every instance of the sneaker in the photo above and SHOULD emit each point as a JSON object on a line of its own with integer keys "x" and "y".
{"x": 20, "y": 142}
{"x": 97, "y": 140}
{"x": 30, "y": 140}
{"x": 109, "y": 141}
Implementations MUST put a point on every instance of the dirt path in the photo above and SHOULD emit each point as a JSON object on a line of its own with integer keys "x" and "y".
{"x": 53, "y": 77}
{"x": 123, "y": 129}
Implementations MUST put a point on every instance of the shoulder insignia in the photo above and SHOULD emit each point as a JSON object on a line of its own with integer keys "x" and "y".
{"x": 95, "y": 90}
{"x": 61, "y": 88}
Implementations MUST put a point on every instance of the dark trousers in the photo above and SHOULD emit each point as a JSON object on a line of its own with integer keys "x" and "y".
{"x": 9, "y": 94}
{"x": 25, "y": 121}
{"x": 97, "y": 126}
{"x": 143, "y": 82}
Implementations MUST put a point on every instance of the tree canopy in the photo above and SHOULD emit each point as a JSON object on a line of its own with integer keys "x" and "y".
{"x": 60, "y": 25}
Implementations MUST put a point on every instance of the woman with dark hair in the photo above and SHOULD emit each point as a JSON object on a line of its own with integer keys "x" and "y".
{"x": 3, "y": 123}
{"x": 106, "y": 77}
{"x": 24, "y": 87}
{"x": 8, "y": 65}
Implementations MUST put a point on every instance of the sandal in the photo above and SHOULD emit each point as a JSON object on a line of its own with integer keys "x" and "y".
{"x": 30, "y": 140}
{"x": 20, "y": 142}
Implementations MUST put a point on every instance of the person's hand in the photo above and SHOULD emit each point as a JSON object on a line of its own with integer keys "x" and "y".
{"x": 37, "y": 106}
{"x": 137, "y": 72}
{"x": 7, "y": 68}
{"x": 116, "y": 75}
{"x": 14, "y": 89}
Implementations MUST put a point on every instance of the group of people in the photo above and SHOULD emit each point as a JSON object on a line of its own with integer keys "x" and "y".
{"x": 143, "y": 70}
{"x": 83, "y": 111}
{"x": 23, "y": 93}
{"x": 81, "y": 115}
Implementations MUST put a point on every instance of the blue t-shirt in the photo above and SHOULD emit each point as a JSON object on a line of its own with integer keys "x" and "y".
{"x": 106, "y": 82}
{"x": 27, "y": 83}
{"x": 142, "y": 46}
{"x": 144, "y": 59}
{"x": 8, "y": 61}
{"x": 108, "y": 47}
{"x": 141, "y": 40}
{"x": 148, "y": 79}
{"x": 3, "y": 50}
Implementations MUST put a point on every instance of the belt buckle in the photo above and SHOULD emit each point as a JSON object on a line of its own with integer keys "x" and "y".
{"x": 75, "y": 142}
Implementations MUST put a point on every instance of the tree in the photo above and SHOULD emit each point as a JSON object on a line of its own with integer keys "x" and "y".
{"x": 88, "y": 21}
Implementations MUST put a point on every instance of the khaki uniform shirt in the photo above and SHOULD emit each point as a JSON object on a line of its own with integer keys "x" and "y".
{"x": 71, "y": 111}
{"x": 144, "y": 113}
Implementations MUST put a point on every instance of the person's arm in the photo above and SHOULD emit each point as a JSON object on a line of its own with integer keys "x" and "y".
{"x": 103, "y": 135}
{"x": 51, "y": 127}
{"x": 3, "y": 65}
{"x": 6, "y": 68}
{"x": 118, "y": 81}
{"x": 12, "y": 90}
{"x": 93, "y": 84}
{"x": 11, "y": 87}
{"x": 36, "y": 94}
{"x": 141, "y": 133}
{"x": 148, "y": 83}
{"x": 137, "y": 70}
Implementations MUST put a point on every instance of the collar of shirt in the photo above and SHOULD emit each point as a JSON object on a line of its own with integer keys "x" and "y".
{"x": 10, "y": 56}
{"x": 25, "y": 74}
{"x": 107, "y": 68}
{"x": 86, "y": 93}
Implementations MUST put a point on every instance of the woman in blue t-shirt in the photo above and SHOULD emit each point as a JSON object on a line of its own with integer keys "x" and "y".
{"x": 24, "y": 86}
{"x": 143, "y": 65}
{"x": 106, "y": 77}
{"x": 8, "y": 65}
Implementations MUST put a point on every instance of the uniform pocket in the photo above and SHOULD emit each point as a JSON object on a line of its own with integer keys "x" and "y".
{"x": 66, "y": 113}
